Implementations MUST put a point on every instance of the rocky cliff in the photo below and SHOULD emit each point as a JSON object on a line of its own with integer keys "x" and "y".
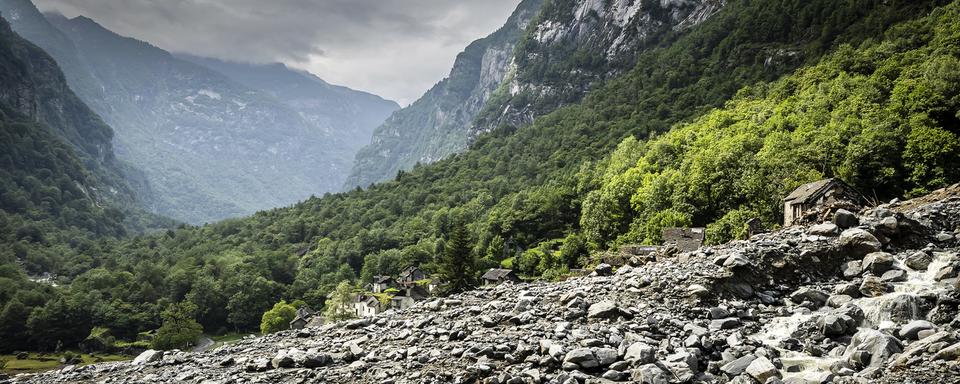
{"x": 434, "y": 126}
{"x": 549, "y": 54}
{"x": 861, "y": 298}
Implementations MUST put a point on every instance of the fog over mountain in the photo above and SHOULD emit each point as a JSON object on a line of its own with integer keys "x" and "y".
{"x": 363, "y": 44}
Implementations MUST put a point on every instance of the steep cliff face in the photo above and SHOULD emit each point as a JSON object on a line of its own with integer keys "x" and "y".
{"x": 557, "y": 51}
{"x": 210, "y": 145}
{"x": 575, "y": 44}
{"x": 433, "y": 127}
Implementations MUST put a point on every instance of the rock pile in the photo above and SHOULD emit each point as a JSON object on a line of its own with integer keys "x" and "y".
{"x": 866, "y": 299}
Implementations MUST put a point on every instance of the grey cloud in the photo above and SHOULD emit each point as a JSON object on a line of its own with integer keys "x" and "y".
{"x": 359, "y": 43}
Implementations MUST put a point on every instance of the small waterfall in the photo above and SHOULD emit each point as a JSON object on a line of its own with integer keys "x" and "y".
{"x": 882, "y": 312}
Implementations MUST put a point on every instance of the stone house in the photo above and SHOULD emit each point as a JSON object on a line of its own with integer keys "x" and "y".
{"x": 304, "y": 314}
{"x": 497, "y": 276}
{"x": 686, "y": 239}
{"x": 381, "y": 283}
{"x": 410, "y": 276}
{"x": 367, "y": 306}
{"x": 816, "y": 195}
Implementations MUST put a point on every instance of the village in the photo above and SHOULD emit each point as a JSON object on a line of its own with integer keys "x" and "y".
{"x": 810, "y": 203}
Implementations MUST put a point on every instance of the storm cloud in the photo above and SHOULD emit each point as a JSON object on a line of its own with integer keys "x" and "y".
{"x": 395, "y": 48}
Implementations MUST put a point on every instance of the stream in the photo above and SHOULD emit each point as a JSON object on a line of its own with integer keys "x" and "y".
{"x": 817, "y": 369}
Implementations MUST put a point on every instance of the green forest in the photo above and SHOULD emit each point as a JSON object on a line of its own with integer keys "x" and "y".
{"x": 712, "y": 127}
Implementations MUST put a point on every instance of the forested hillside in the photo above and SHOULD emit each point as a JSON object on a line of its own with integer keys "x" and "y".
{"x": 62, "y": 193}
{"x": 711, "y": 128}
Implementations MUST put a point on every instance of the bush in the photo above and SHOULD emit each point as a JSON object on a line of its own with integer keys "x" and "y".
{"x": 278, "y": 318}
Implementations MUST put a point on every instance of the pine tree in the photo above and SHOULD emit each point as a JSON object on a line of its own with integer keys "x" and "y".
{"x": 456, "y": 263}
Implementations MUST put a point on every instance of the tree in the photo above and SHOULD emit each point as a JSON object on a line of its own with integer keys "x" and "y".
{"x": 13, "y": 328}
{"x": 456, "y": 263}
{"x": 338, "y": 306}
{"x": 180, "y": 329}
{"x": 278, "y": 318}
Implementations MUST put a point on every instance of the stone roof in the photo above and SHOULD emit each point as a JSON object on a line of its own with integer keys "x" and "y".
{"x": 496, "y": 274}
{"x": 807, "y": 191}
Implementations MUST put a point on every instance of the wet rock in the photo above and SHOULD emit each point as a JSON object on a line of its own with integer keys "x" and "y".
{"x": 761, "y": 369}
{"x": 919, "y": 261}
{"x": 857, "y": 242}
{"x": 912, "y": 330}
{"x": 947, "y": 272}
{"x": 894, "y": 276}
{"x": 837, "y": 301}
{"x": 845, "y": 219}
{"x": 877, "y": 345}
{"x": 900, "y": 308}
{"x": 837, "y": 325}
{"x": 816, "y": 297}
{"x": 878, "y": 263}
{"x": 872, "y": 286}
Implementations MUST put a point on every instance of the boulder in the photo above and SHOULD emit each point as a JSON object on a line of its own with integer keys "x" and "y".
{"x": 316, "y": 360}
{"x": 583, "y": 357}
{"x": 649, "y": 374}
{"x": 837, "y": 301}
{"x": 857, "y": 242}
{"x": 918, "y": 261}
{"x": 872, "y": 286}
{"x": 852, "y": 269}
{"x": 727, "y": 323}
{"x": 877, "y": 345}
{"x": 148, "y": 356}
{"x": 640, "y": 353}
{"x": 901, "y": 307}
{"x": 878, "y": 263}
{"x": 912, "y": 330}
{"x": 603, "y": 310}
{"x": 894, "y": 276}
{"x": 816, "y": 297}
{"x": 738, "y": 366}
{"x": 761, "y": 369}
{"x": 845, "y": 219}
{"x": 947, "y": 272}
{"x": 603, "y": 269}
{"x": 825, "y": 229}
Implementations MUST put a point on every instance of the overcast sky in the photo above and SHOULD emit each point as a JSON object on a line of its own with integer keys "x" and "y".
{"x": 395, "y": 48}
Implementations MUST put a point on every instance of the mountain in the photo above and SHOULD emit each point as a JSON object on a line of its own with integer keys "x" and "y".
{"x": 549, "y": 56}
{"x": 348, "y": 115}
{"x": 433, "y": 127}
{"x": 210, "y": 146}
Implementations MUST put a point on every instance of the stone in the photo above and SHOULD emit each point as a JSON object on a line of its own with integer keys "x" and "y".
{"x": 837, "y": 301}
{"x": 650, "y": 374}
{"x": 845, "y": 219}
{"x": 718, "y": 313}
{"x": 877, "y": 345}
{"x": 148, "y": 356}
{"x": 603, "y": 310}
{"x": 852, "y": 269}
{"x": 949, "y": 353}
{"x": 603, "y": 269}
{"x": 816, "y": 297}
{"x": 878, "y": 263}
{"x": 606, "y": 356}
{"x": 911, "y": 331}
{"x": 872, "y": 286}
{"x": 283, "y": 359}
{"x": 761, "y": 369}
{"x": 697, "y": 290}
{"x": 944, "y": 273}
{"x": 894, "y": 276}
{"x": 857, "y": 242}
{"x": 901, "y": 307}
{"x": 738, "y": 366}
{"x": 918, "y": 261}
{"x": 582, "y": 357}
{"x": 825, "y": 229}
{"x": 640, "y": 353}
{"x": 316, "y": 360}
{"x": 727, "y": 323}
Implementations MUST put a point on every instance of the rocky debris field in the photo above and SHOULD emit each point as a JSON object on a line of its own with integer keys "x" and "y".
{"x": 870, "y": 297}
